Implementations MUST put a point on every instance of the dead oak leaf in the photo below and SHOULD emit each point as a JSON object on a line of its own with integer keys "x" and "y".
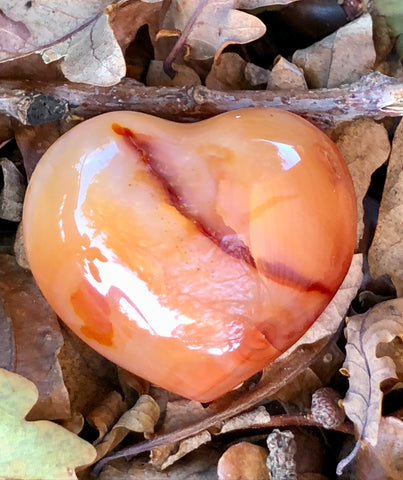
{"x": 76, "y": 32}
{"x": 386, "y": 253}
{"x": 210, "y": 26}
{"x": 33, "y": 450}
{"x": 31, "y": 339}
{"x": 141, "y": 418}
{"x": 384, "y": 461}
{"x": 366, "y": 370}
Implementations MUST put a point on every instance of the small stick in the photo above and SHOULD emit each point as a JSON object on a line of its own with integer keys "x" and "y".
{"x": 32, "y": 103}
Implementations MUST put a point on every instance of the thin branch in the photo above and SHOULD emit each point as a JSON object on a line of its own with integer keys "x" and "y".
{"x": 32, "y": 103}
{"x": 181, "y": 42}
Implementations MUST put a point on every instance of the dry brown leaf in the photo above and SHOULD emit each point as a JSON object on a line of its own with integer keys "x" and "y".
{"x": 34, "y": 141}
{"x": 286, "y": 75}
{"x": 394, "y": 350}
{"x": 141, "y": 418}
{"x": 185, "y": 76}
{"x": 88, "y": 376}
{"x": 363, "y": 156}
{"x": 366, "y": 371}
{"x": 218, "y": 24}
{"x": 228, "y": 73}
{"x": 31, "y": 339}
{"x": 128, "y": 16}
{"x": 176, "y": 411}
{"x": 6, "y": 131}
{"x": 166, "y": 455}
{"x": 75, "y": 31}
{"x": 106, "y": 414}
{"x": 386, "y": 252}
{"x": 383, "y": 461}
{"x": 342, "y": 57}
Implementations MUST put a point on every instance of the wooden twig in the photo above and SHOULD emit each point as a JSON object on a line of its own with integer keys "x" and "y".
{"x": 33, "y": 103}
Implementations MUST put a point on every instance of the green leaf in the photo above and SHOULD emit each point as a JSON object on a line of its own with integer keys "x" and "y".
{"x": 38, "y": 450}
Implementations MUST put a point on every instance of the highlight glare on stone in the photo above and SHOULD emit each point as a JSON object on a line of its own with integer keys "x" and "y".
{"x": 191, "y": 254}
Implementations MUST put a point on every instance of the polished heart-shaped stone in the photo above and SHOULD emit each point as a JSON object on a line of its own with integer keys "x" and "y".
{"x": 191, "y": 254}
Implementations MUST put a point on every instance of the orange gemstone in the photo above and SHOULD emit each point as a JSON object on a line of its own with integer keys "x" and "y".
{"x": 191, "y": 254}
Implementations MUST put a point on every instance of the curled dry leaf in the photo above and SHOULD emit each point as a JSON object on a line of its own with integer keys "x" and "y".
{"x": 166, "y": 455}
{"x": 386, "y": 252}
{"x": 217, "y": 24}
{"x": 342, "y": 57}
{"x": 141, "y": 418}
{"x": 33, "y": 450}
{"x": 104, "y": 415}
{"x": 78, "y": 32}
{"x": 31, "y": 351}
{"x": 363, "y": 157}
{"x": 366, "y": 371}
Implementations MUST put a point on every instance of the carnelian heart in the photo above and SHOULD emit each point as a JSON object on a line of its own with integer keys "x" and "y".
{"x": 191, "y": 254}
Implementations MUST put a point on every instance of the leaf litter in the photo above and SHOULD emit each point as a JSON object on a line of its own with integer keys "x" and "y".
{"x": 214, "y": 44}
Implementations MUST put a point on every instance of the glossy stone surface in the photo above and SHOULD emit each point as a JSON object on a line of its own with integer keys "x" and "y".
{"x": 191, "y": 254}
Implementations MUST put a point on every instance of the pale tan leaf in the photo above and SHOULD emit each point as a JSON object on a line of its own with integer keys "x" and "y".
{"x": 79, "y": 32}
{"x": 31, "y": 339}
{"x": 366, "y": 371}
{"x": 167, "y": 455}
{"x": 258, "y": 416}
{"x": 386, "y": 252}
{"x": 342, "y": 57}
{"x": 176, "y": 412}
{"x": 218, "y": 24}
{"x": 92, "y": 55}
{"x": 363, "y": 157}
{"x": 141, "y": 418}
{"x": 105, "y": 415}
